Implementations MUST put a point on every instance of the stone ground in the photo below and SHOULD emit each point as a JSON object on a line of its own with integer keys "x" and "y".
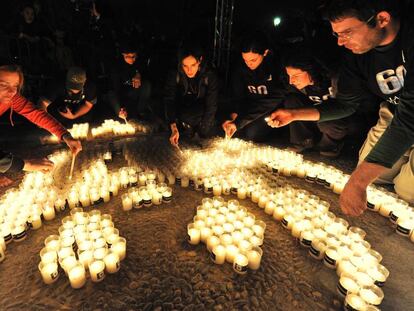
{"x": 163, "y": 272}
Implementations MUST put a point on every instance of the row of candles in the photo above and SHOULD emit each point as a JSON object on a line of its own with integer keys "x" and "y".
{"x": 230, "y": 233}
{"x": 88, "y": 245}
{"x": 145, "y": 196}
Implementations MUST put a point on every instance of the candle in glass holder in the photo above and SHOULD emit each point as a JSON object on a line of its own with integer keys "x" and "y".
{"x": 332, "y": 256}
{"x": 48, "y": 255}
{"x": 360, "y": 247}
{"x": 242, "y": 193}
{"x": 49, "y": 212}
{"x": 405, "y": 226}
{"x": 346, "y": 266}
{"x": 112, "y": 263}
{"x": 193, "y": 234}
{"x": 36, "y": 221}
{"x": 255, "y": 196}
{"x": 217, "y": 189}
{"x": 254, "y": 257}
{"x": 85, "y": 257}
{"x": 119, "y": 247}
{"x": 263, "y": 199}
{"x": 379, "y": 274}
{"x": 212, "y": 241}
{"x": 279, "y": 212}
{"x": 372, "y": 294}
{"x": 317, "y": 249}
{"x": 49, "y": 272}
{"x": 347, "y": 284}
{"x": 231, "y": 252}
{"x": 363, "y": 279}
{"x": 249, "y": 220}
{"x": 218, "y": 254}
{"x": 53, "y": 242}
{"x": 353, "y": 302}
{"x": 205, "y": 233}
{"x": 240, "y": 263}
{"x": 97, "y": 270}
{"x": 259, "y": 227}
{"x": 306, "y": 238}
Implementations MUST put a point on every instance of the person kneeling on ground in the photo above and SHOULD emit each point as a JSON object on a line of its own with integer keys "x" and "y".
{"x": 190, "y": 96}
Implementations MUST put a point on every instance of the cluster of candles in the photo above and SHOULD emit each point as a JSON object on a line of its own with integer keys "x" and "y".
{"x": 230, "y": 233}
{"x": 79, "y": 131}
{"x": 26, "y": 208}
{"x": 147, "y": 194}
{"x": 87, "y": 242}
{"x": 110, "y": 128}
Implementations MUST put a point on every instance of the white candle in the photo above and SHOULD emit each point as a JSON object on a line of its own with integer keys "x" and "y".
{"x": 48, "y": 255}
{"x": 36, "y": 222}
{"x": 240, "y": 264}
{"x": 372, "y": 294}
{"x": 355, "y": 302}
{"x": 49, "y": 213}
{"x": 212, "y": 241}
{"x": 193, "y": 234}
{"x": 345, "y": 266}
{"x": 255, "y": 196}
{"x": 226, "y": 239}
{"x": 217, "y": 189}
{"x": 119, "y": 247}
{"x": 347, "y": 284}
{"x": 379, "y": 274}
{"x": 218, "y": 254}
{"x": 270, "y": 207}
{"x": 241, "y": 193}
{"x": 278, "y": 213}
{"x": 49, "y": 272}
{"x": 254, "y": 257}
{"x": 97, "y": 270}
{"x": 85, "y": 257}
{"x": 205, "y": 233}
{"x": 263, "y": 201}
{"x": 51, "y": 242}
{"x": 231, "y": 252}
{"x": 112, "y": 263}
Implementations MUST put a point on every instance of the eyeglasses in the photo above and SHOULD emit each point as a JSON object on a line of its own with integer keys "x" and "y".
{"x": 347, "y": 34}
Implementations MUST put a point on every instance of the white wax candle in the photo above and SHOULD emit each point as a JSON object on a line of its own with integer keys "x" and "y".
{"x": 240, "y": 264}
{"x": 226, "y": 239}
{"x": 254, "y": 257}
{"x": 263, "y": 201}
{"x": 279, "y": 213}
{"x": 217, "y": 189}
{"x": 49, "y": 213}
{"x": 85, "y": 258}
{"x": 119, "y": 247}
{"x": 345, "y": 266}
{"x": 97, "y": 270}
{"x": 231, "y": 252}
{"x": 355, "y": 302}
{"x": 218, "y": 254}
{"x": 36, "y": 222}
{"x": 212, "y": 241}
{"x": 205, "y": 233}
{"x": 112, "y": 263}
{"x": 49, "y": 272}
{"x": 193, "y": 235}
{"x": 255, "y": 196}
{"x": 241, "y": 193}
{"x": 270, "y": 207}
{"x": 48, "y": 255}
{"x": 372, "y": 295}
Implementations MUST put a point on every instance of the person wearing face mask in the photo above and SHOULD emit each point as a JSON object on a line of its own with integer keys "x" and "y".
{"x": 256, "y": 90}
{"x": 190, "y": 95}
{"x": 11, "y": 83}
{"x": 312, "y": 83}
{"x": 379, "y": 61}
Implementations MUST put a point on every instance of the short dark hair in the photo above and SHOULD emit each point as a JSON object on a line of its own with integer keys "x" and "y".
{"x": 255, "y": 42}
{"x": 190, "y": 48}
{"x": 303, "y": 58}
{"x": 334, "y": 10}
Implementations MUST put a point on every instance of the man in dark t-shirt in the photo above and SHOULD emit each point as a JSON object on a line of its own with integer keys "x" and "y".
{"x": 72, "y": 98}
{"x": 380, "y": 64}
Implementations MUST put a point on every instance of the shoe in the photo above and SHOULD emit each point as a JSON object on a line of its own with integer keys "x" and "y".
{"x": 332, "y": 153}
{"x": 307, "y": 144}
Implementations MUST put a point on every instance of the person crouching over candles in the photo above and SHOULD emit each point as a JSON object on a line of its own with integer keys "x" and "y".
{"x": 190, "y": 95}
{"x": 11, "y": 83}
{"x": 256, "y": 91}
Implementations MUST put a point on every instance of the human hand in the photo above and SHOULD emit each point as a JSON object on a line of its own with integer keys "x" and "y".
{"x": 123, "y": 114}
{"x": 136, "y": 82}
{"x": 353, "y": 199}
{"x": 74, "y": 145}
{"x": 42, "y": 165}
{"x": 5, "y": 181}
{"x": 280, "y": 117}
{"x": 67, "y": 113}
{"x": 175, "y": 135}
{"x": 229, "y": 128}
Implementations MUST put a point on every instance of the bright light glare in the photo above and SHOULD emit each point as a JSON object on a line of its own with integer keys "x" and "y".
{"x": 277, "y": 21}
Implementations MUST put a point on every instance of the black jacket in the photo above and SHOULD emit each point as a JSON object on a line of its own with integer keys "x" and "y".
{"x": 256, "y": 92}
{"x": 192, "y": 101}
